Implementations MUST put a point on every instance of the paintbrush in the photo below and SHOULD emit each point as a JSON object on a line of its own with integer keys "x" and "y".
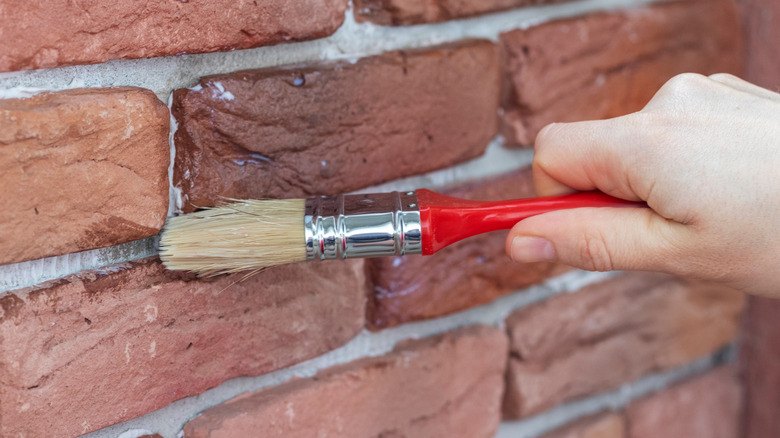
{"x": 255, "y": 234}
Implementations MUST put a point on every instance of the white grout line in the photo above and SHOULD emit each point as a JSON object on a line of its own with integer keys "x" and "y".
{"x": 351, "y": 41}
{"x": 24, "y": 274}
{"x": 174, "y": 194}
{"x": 569, "y": 412}
{"x": 495, "y": 161}
{"x": 169, "y": 420}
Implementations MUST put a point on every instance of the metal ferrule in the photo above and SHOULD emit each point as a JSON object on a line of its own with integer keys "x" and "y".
{"x": 367, "y": 225}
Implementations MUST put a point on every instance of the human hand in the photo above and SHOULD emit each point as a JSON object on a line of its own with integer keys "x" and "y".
{"x": 705, "y": 156}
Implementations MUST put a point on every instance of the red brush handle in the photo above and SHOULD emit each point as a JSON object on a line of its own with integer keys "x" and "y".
{"x": 446, "y": 220}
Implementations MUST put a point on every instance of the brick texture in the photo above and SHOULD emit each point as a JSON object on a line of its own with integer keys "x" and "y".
{"x": 334, "y": 127}
{"x": 103, "y": 347}
{"x": 62, "y": 33}
{"x": 761, "y": 367}
{"x": 609, "y": 64}
{"x": 707, "y": 407}
{"x": 81, "y": 169}
{"x": 469, "y": 273}
{"x": 610, "y": 333}
{"x": 761, "y": 24}
{"x": 760, "y": 355}
{"x": 611, "y": 425}
{"x": 405, "y": 12}
{"x": 445, "y": 386}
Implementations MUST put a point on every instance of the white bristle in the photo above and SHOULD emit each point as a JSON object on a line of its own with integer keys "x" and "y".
{"x": 240, "y": 236}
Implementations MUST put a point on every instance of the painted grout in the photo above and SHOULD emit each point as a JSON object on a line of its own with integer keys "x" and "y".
{"x": 174, "y": 194}
{"x": 25, "y": 274}
{"x": 169, "y": 420}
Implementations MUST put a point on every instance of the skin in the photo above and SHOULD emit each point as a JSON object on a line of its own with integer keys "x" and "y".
{"x": 705, "y": 156}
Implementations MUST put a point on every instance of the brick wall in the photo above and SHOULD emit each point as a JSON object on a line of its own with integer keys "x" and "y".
{"x": 113, "y": 118}
{"x": 760, "y": 355}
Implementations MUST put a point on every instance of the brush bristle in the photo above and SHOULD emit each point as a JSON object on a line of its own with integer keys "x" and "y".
{"x": 240, "y": 236}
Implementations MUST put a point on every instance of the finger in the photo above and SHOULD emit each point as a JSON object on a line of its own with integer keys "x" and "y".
{"x": 742, "y": 85}
{"x": 600, "y": 239}
{"x": 593, "y": 155}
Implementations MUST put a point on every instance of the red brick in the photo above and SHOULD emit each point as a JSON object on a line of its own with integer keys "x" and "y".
{"x": 62, "y": 33}
{"x": 707, "y": 407}
{"x": 445, "y": 386}
{"x": 605, "y": 65}
{"x": 610, "y": 333}
{"x": 761, "y": 367}
{"x": 761, "y": 25}
{"x": 334, "y": 127}
{"x": 611, "y": 425}
{"x": 101, "y": 348}
{"x": 760, "y": 355}
{"x": 81, "y": 169}
{"x": 405, "y": 12}
{"x": 467, "y": 274}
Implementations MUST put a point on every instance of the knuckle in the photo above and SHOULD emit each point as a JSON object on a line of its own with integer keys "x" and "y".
{"x": 595, "y": 254}
{"x": 685, "y": 84}
{"x": 722, "y": 77}
{"x": 547, "y": 135}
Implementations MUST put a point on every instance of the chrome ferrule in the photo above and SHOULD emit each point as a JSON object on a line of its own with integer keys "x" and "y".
{"x": 365, "y": 225}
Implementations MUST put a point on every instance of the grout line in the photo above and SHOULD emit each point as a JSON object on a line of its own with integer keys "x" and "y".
{"x": 351, "y": 41}
{"x": 33, "y": 272}
{"x": 174, "y": 194}
{"x": 566, "y": 413}
{"x": 496, "y": 160}
{"x": 169, "y": 420}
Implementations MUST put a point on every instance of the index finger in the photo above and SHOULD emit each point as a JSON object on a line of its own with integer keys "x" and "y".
{"x": 582, "y": 156}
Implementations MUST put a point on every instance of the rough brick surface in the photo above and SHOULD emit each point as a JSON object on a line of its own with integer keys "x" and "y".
{"x": 761, "y": 367}
{"x": 334, "y": 127}
{"x": 707, "y": 407}
{"x": 101, "y": 348}
{"x": 63, "y": 33}
{"x": 609, "y": 64}
{"x": 405, "y": 12}
{"x": 611, "y": 425}
{"x": 761, "y": 24}
{"x": 760, "y": 355}
{"x": 467, "y": 274}
{"x": 613, "y": 332}
{"x": 445, "y": 386}
{"x": 81, "y": 169}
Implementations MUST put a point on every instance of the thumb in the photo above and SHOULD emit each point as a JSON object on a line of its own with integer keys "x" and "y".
{"x": 598, "y": 239}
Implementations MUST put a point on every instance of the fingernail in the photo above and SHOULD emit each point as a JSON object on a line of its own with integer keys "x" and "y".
{"x": 532, "y": 249}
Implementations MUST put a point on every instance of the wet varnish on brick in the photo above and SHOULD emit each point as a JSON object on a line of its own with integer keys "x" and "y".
{"x": 466, "y": 274}
{"x": 328, "y": 128}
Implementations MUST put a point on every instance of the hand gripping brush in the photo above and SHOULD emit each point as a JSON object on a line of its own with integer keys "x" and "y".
{"x": 255, "y": 234}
